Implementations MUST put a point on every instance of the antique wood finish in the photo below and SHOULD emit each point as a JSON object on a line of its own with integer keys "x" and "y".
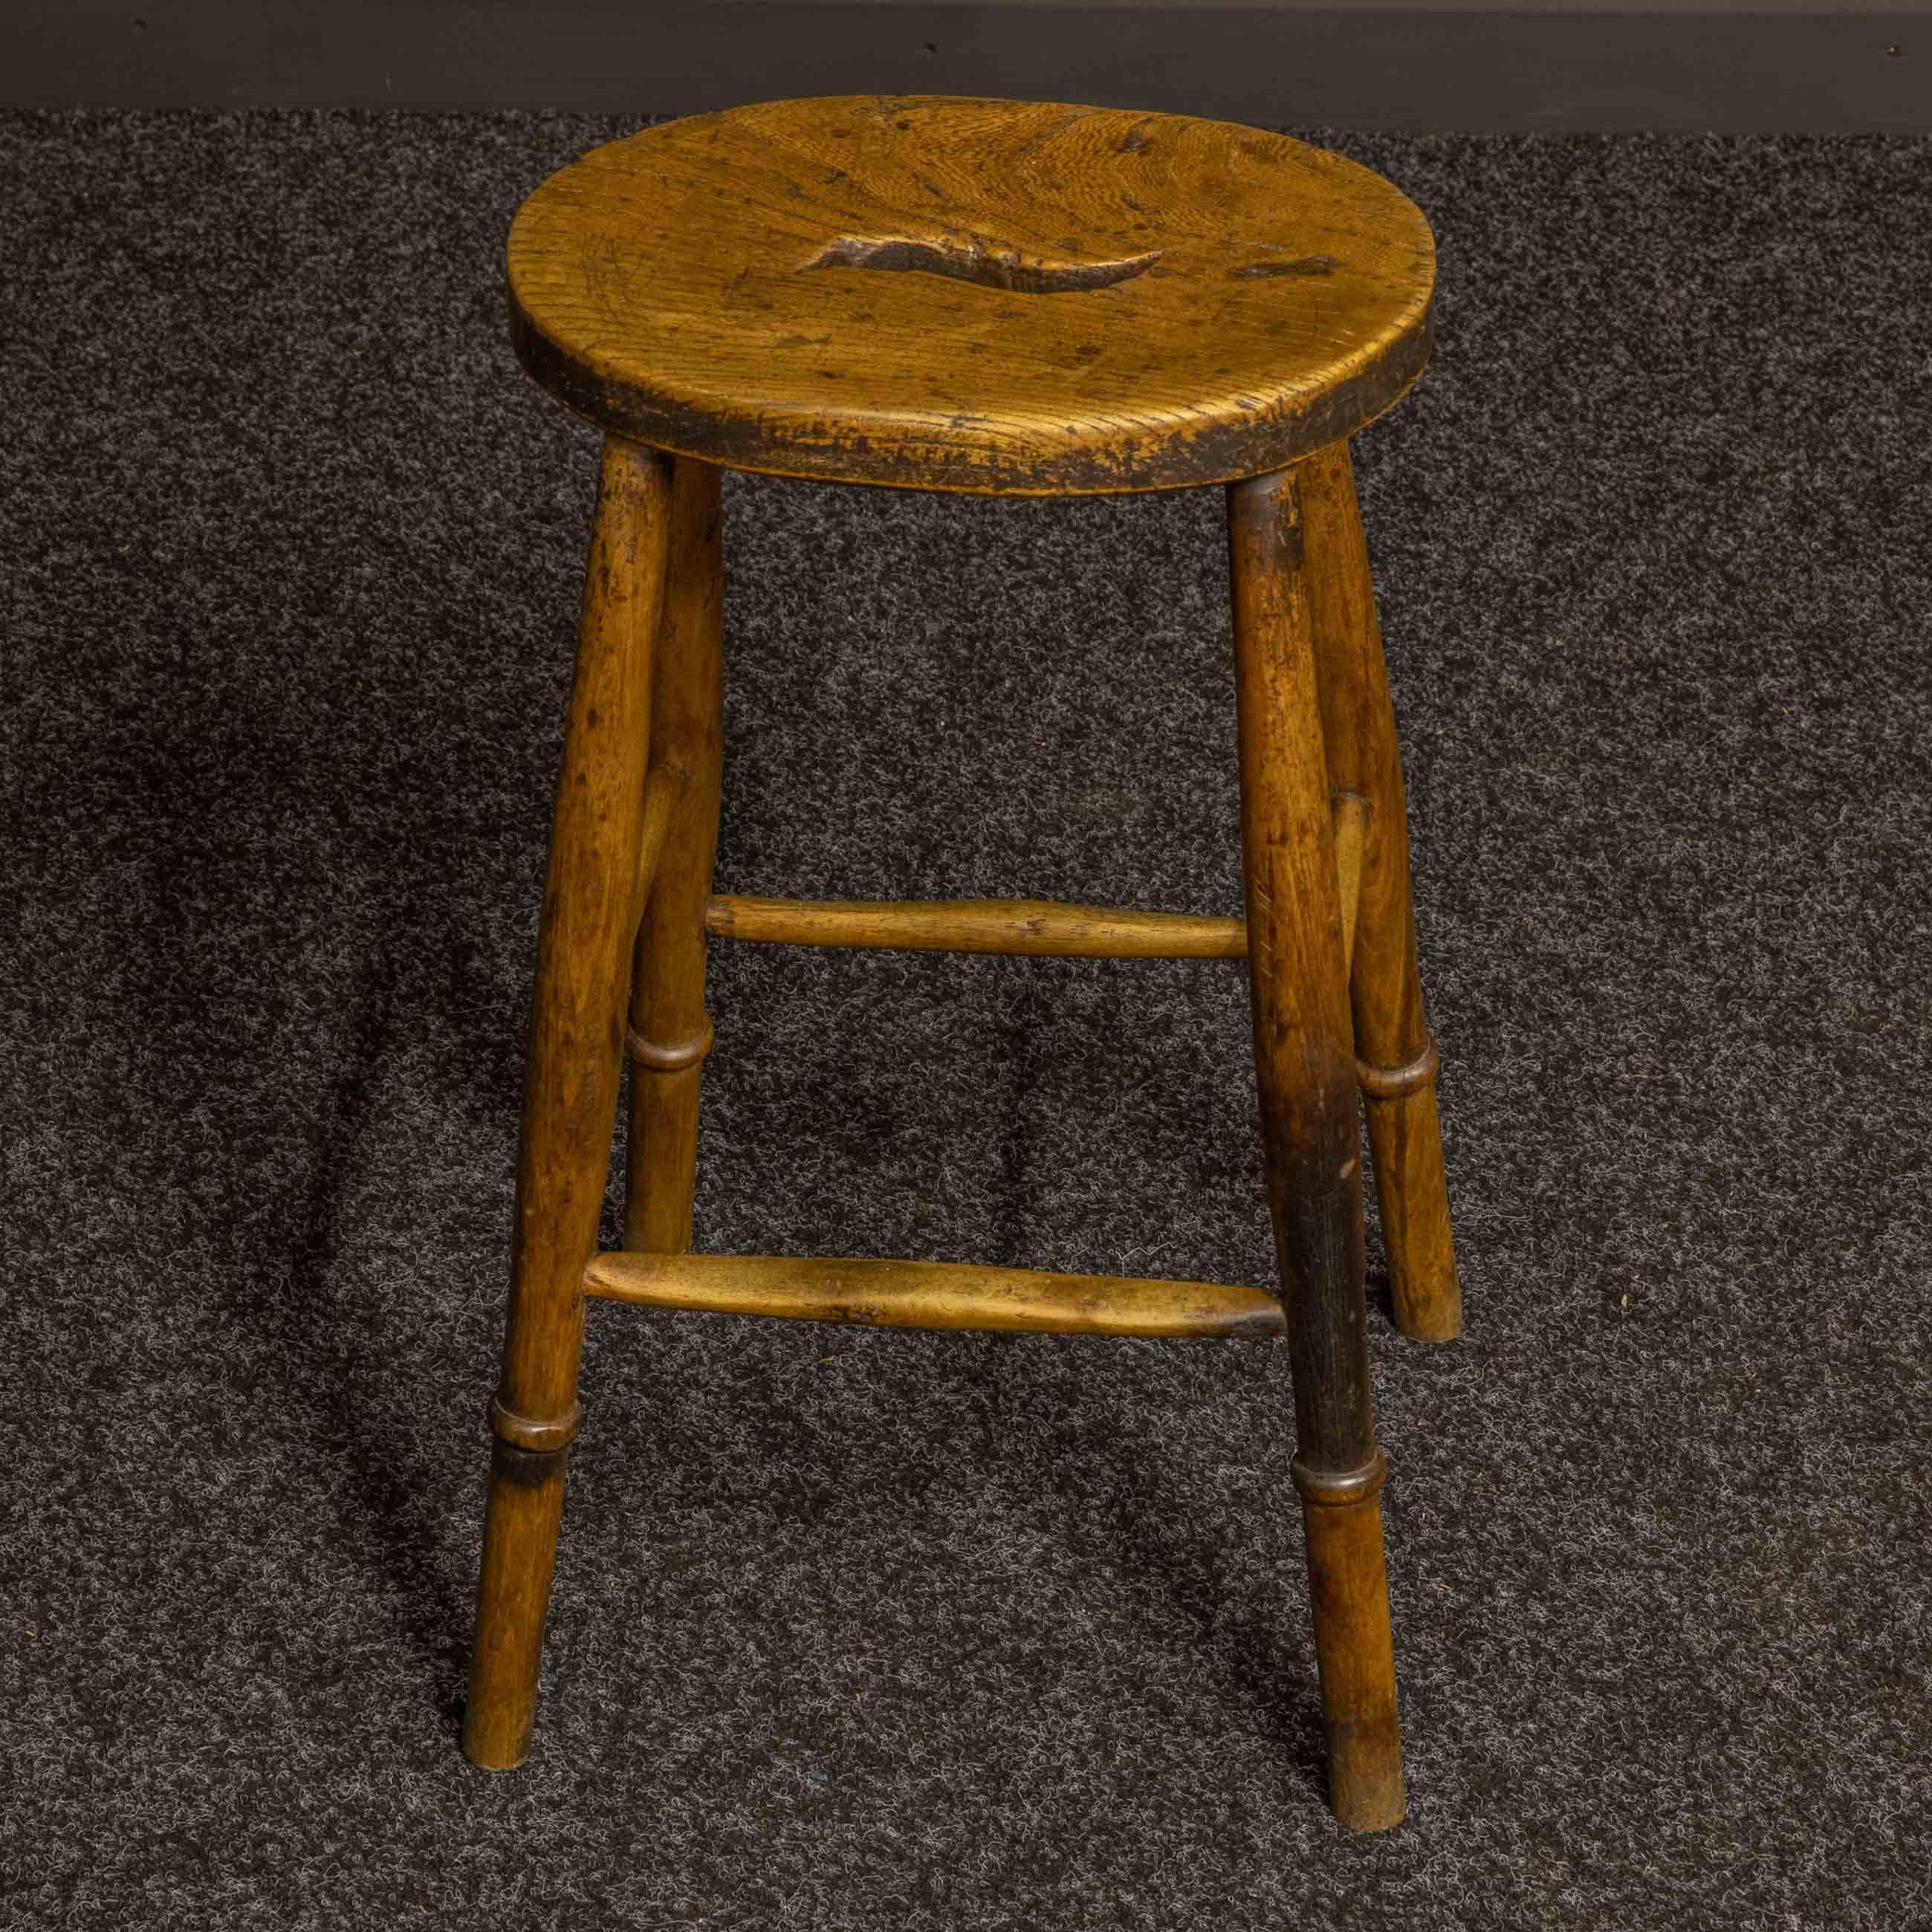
{"x": 664, "y": 790}
{"x": 590, "y": 910}
{"x": 670, "y": 1032}
{"x": 932, "y": 1295}
{"x": 1393, "y": 1041}
{"x": 1036, "y": 927}
{"x": 1305, "y": 1069}
{"x": 1351, "y": 820}
{"x": 983, "y": 296}
{"x": 999, "y": 297}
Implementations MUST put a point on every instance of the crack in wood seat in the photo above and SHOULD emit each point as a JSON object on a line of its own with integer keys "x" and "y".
{"x": 984, "y": 295}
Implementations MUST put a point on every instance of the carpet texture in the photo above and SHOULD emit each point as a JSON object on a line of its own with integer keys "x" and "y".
{"x": 859, "y": 1630}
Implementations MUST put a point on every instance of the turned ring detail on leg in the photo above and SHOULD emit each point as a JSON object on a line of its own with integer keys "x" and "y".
{"x": 1397, "y": 1083}
{"x": 1340, "y": 1487}
{"x": 669, "y": 1059}
{"x": 541, "y": 1435}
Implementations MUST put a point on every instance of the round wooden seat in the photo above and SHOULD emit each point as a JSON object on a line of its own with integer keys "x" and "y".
{"x": 995, "y": 296}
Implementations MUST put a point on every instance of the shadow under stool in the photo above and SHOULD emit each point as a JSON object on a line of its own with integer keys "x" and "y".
{"x": 1004, "y": 298}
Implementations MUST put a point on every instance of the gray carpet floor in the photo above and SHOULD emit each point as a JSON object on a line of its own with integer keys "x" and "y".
{"x": 858, "y": 1630}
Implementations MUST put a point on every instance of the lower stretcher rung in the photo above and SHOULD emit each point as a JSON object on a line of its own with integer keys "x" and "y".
{"x": 932, "y": 1295}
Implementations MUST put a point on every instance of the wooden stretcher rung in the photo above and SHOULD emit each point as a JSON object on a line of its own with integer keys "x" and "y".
{"x": 932, "y": 1295}
{"x": 1036, "y": 927}
{"x": 1042, "y": 929}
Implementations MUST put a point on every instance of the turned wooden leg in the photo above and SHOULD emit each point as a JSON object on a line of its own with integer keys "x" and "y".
{"x": 670, "y": 1031}
{"x": 590, "y": 912}
{"x": 1396, "y": 1051}
{"x": 1305, "y": 1068}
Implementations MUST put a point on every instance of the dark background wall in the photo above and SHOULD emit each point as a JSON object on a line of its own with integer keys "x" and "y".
{"x": 1730, "y": 65}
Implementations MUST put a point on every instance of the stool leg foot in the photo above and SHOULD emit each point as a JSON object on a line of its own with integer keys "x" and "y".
{"x": 590, "y": 913}
{"x": 520, "y": 1530}
{"x": 667, "y": 1011}
{"x": 1348, "y": 1584}
{"x": 1305, "y": 1071}
{"x": 1396, "y": 1054}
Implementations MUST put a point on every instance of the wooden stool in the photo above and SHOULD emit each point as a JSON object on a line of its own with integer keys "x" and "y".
{"x": 1009, "y": 298}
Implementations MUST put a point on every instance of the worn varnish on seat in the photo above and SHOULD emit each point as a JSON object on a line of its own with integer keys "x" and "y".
{"x": 983, "y": 296}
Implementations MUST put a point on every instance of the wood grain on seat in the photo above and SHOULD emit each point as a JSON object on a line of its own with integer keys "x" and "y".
{"x": 990, "y": 296}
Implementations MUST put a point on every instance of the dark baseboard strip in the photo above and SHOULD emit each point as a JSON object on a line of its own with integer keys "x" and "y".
{"x": 1476, "y": 71}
